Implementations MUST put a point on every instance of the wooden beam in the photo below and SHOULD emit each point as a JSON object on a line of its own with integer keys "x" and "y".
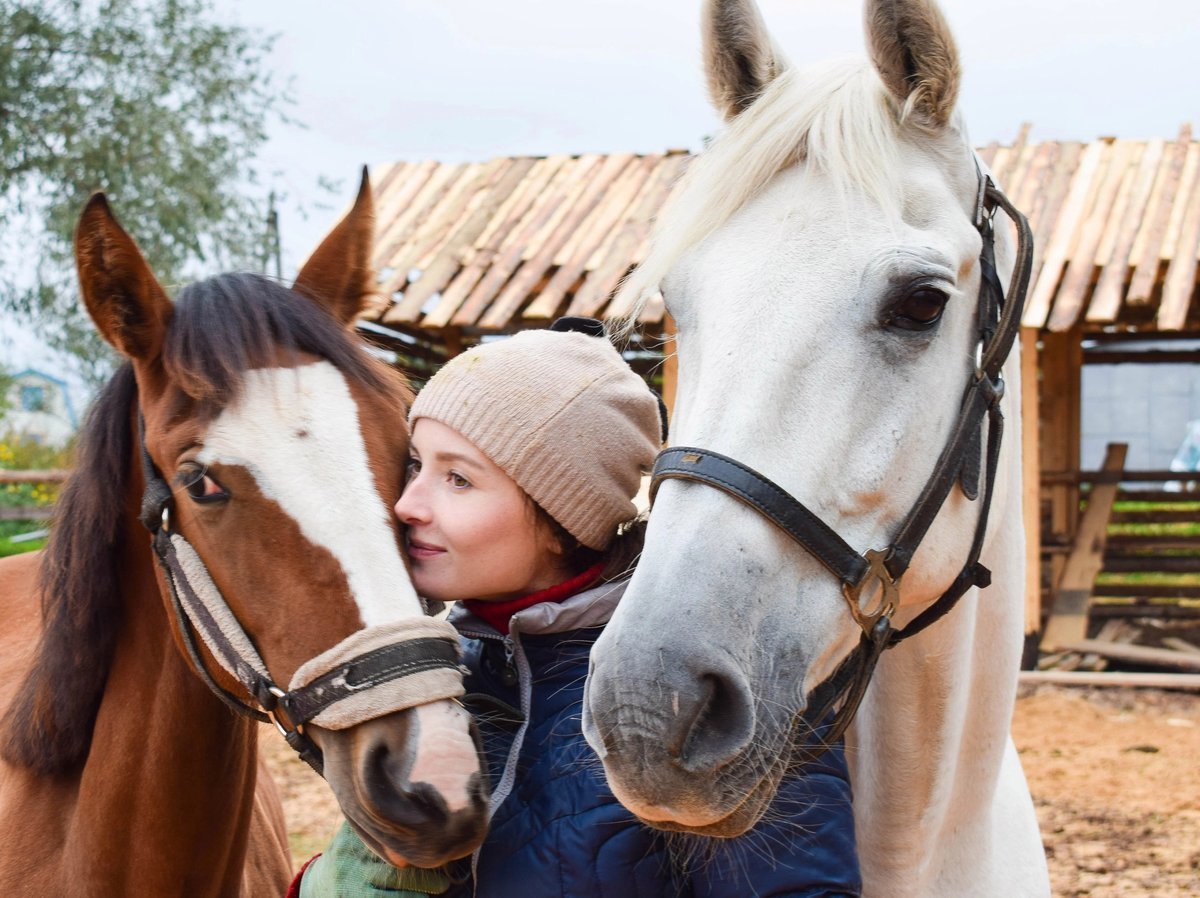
{"x": 1031, "y": 485}
{"x": 26, "y": 513}
{"x": 1118, "y": 679}
{"x": 1138, "y": 654}
{"x": 1150, "y": 357}
{"x": 670, "y": 365}
{"x": 1059, "y": 423}
{"x": 1068, "y": 615}
{"x": 50, "y": 476}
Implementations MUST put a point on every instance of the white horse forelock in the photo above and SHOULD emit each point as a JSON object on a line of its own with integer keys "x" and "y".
{"x": 837, "y": 115}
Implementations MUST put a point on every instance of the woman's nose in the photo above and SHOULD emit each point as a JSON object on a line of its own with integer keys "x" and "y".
{"x": 409, "y": 507}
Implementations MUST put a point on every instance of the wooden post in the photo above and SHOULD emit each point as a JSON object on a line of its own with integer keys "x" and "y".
{"x": 670, "y": 364}
{"x": 1031, "y": 479}
{"x": 452, "y": 338}
{"x": 1059, "y": 411}
{"x": 1067, "y": 625}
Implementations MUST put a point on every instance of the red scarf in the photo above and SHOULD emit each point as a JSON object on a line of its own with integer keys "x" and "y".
{"x": 499, "y": 613}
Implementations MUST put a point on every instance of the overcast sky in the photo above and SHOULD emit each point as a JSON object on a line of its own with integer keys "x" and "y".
{"x": 472, "y": 79}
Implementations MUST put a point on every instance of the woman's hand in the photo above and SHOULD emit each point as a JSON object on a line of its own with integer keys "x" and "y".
{"x": 349, "y": 869}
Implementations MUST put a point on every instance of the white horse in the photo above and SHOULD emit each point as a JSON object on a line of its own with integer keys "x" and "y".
{"x": 823, "y": 263}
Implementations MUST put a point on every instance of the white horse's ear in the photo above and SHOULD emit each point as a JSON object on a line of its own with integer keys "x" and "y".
{"x": 914, "y": 52}
{"x": 740, "y": 59}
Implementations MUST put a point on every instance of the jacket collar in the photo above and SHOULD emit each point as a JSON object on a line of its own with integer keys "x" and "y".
{"x": 591, "y": 608}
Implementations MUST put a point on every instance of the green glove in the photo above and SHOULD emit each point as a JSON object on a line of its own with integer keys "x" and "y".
{"x": 349, "y": 869}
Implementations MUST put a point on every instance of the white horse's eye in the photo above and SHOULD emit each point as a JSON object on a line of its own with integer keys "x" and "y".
{"x": 919, "y": 310}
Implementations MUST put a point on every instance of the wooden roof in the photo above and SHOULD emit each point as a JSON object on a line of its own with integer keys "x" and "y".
{"x": 514, "y": 242}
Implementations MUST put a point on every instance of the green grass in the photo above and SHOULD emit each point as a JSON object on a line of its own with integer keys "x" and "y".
{"x": 9, "y": 529}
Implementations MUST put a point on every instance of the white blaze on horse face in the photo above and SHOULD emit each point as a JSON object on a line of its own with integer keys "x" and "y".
{"x": 296, "y": 431}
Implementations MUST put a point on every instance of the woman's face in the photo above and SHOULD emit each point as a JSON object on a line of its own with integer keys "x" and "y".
{"x": 470, "y": 531}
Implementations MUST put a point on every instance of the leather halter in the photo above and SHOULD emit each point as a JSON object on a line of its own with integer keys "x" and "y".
{"x": 199, "y": 607}
{"x": 871, "y": 582}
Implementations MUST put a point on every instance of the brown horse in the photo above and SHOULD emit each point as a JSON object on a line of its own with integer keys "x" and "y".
{"x": 283, "y": 444}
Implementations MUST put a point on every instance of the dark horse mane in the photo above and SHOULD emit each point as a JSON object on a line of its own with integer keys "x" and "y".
{"x": 220, "y": 328}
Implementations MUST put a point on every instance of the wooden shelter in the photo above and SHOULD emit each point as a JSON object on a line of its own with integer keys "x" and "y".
{"x": 472, "y": 249}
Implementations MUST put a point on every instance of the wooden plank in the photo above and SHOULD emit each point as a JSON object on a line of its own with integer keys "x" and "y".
{"x": 1042, "y": 188}
{"x": 670, "y": 364}
{"x": 1153, "y": 476}
{"x": 402, "y": 254}
{"x": 1147, "y": 591}
{"x": 415, "y": 212}
{"x": 1181, "y": 645}
{"x": 407, "y": 202}
{"x": 26, "y": 513}
{"x": 1153, "y": 357}
{"x": 573, "y": 187}
{"x": 1180, "y": 282}
{"x": 51, "y": 475}
{"x": 1157, "y": 516}
{"x": 1068, "y": 614}
{"x": 1138, "y": 654}
{"x": 1066, "y": 228}
{"x": 1119, "y": 563}
{"x": 1116, "y": 679}
{"x": 1081, "y": 268}
{"x": 607, "y": 214}
{"x": 450, "y": 261}
{"x": 478, "y": 259}
{"x": 518, "y": 290}
{"x": 1147, "y": 249}
{"x": 1059, "y": 421}
{"x": 543, "y": 206}
{"x": 513, "y": 209}
{"x": 593, "y": 235}
{"x": 619, "y": 254}
{"x": 1030, "y": 482}
{"x": 1002, "y": 168}
{"x": 441, "y": 223}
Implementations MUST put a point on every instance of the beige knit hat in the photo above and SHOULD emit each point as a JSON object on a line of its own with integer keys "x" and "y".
{"x": 563, "y": 415}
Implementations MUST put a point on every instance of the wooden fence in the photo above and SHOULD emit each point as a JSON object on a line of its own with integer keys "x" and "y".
{"x": 29, "y": 512}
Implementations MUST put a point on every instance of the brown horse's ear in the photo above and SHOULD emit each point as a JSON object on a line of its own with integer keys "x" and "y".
{"x": 339, "y": 274}
{"x": 914, "y": 52}
{"x": 740, "y": 59}
{"x": 129, "y": 307}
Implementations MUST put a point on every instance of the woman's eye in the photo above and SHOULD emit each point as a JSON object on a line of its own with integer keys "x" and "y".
{"x": 458, "y": 481}
{"x": 412, "y": 467}
{"x": 920, "y": 309}
{"x": 201, "y": 487}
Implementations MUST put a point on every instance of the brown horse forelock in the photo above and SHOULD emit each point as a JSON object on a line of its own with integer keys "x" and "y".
{"x": 221, "y": 328}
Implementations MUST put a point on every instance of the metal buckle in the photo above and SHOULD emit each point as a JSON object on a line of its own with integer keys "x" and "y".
{"x": 874, "y": 596}
{"x": 273, "y": 713}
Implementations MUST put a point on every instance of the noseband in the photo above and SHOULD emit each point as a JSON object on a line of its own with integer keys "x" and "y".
{"x": 871, "y": 582}
{"x": 375, "y": 671}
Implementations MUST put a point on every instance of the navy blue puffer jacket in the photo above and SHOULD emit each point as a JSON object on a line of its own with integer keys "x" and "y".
{"x": 558, "y": 832}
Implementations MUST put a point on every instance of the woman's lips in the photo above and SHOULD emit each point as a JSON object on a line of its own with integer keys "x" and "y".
{"x": 418, "y": 549}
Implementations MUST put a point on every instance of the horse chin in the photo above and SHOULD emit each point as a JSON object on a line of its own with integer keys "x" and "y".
{"x": 720, "y": 823}
{"x": 740, "y": 821}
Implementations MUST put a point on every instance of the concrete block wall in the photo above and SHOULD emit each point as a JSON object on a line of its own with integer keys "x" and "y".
{"x": 1146, "y": 406}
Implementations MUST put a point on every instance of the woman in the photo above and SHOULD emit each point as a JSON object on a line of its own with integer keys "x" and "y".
{"x": 526, "y": 456}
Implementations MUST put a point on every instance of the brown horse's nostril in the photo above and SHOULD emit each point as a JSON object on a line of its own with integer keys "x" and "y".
{"x": 713, "y": 721}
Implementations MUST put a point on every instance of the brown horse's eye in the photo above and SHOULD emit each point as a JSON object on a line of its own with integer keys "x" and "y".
{"x": 919, "y": 310}
{"x": 201, "y": 486}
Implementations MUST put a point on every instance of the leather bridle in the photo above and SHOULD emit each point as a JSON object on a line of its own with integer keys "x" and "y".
{"x": 328, "y": 690}
{"x": 871, "y": 582}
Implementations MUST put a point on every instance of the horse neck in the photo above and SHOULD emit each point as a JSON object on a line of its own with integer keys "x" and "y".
{"x": 931, "y": 736}
{"x": 165, "y": 797}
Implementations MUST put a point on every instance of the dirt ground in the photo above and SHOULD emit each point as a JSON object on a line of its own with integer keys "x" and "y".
{"x": 1115, "y": 775}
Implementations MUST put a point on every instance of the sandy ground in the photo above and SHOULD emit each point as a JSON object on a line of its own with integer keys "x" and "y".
{"x": 1115, "y": 775}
